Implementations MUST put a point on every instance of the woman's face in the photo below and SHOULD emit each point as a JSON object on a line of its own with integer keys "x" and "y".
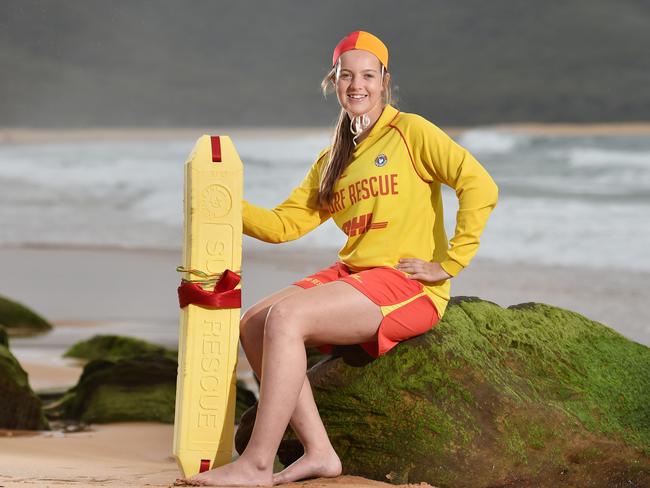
{"x": 358, "y": 83}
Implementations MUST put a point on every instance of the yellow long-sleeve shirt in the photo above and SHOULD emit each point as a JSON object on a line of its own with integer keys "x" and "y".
{"x": 388, "y": 201}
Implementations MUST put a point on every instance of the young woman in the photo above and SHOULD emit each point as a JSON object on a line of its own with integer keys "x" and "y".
{"x": 380, "y": 182}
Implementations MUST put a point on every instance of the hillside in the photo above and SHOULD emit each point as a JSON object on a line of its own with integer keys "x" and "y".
{"x": 164, "y": 63}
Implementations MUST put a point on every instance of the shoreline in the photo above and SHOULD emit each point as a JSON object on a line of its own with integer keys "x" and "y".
{"x": 291, "y": 250}
{"x": 134, "y": 293}
{"x": 26, "y": 135}
{"x": 138, "y": 287}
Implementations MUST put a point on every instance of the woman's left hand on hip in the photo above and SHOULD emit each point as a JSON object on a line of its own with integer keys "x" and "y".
{"x": 418, "y": 269}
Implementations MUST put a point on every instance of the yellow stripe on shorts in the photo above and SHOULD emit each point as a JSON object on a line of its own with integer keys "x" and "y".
{"x": 386, "y": 309}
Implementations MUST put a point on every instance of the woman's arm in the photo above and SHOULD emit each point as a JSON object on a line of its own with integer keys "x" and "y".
{"x": 438, "y": 157}
{"x": 293, "y": 218}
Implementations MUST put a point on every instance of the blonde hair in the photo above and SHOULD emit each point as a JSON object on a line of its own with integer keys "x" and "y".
{"x": 342, "y": 143}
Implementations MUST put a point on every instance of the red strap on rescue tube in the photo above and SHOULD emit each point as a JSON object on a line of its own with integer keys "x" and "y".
{"x": 205, "y": 465}
{"x": 216, "y": 149}
{"x": 224, "y": 294}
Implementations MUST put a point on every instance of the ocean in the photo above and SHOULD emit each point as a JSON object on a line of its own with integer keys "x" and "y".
{"x": 564, "y": 199}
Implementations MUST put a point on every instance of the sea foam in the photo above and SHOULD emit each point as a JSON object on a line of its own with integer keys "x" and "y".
{"x": 570, "y": 200}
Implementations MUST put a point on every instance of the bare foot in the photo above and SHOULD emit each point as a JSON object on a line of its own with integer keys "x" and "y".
{"x": 310, "y": 465}
{"x": 237, "y": 473}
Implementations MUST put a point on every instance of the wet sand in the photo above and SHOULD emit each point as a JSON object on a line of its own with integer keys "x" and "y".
{"x": 136, "y": 290}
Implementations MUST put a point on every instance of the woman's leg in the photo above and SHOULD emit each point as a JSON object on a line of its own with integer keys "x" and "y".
{"x": 320, "y": 459}
{"x": 333, "y": 313}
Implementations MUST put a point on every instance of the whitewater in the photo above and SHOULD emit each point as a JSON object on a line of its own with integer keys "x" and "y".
{"x": 564, "y": 199}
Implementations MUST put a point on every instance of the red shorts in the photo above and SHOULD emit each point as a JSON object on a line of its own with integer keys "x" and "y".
{"x": 407, "y": 310}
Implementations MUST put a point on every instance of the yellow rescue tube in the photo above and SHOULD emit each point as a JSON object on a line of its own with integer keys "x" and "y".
{"x": 208, "y": 336}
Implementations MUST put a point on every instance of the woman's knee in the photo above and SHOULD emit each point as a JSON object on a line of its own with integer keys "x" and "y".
{"x": 284, "y": 319}
{"x": 251, "y": 325}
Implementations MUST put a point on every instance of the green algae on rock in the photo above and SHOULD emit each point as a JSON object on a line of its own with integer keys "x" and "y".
{"x": 20, "y": 408}
{"x": 138, "y": 382}
{"x": 533, "y": 395}
{"x": 141, "y": 388}
{"x": 114, "y": 347}
{"x": 20, "y": 320}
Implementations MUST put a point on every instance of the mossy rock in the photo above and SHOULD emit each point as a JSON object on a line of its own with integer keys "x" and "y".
{"x": 20, "y": 320}
{"x": 114, "y": 347}
{"x": 141, "y": 388}
{"x": 20, "y": 408}
{"x": 4, "y": 337}
{"x": 533, "y": 395}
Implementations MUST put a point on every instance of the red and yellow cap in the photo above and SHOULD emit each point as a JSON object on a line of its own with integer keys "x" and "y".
{"x": 362, "y": 40}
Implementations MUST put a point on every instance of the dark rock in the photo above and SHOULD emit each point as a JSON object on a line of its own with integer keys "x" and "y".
{"x": 314, "y": 356}
{"x": 20, "y": 408}
{"x": 19, "y": 320}
{"x": 527, "y": 396}
{"x": 113, "y": 347}
{"x": 141, "y": 385}
{"x": 353, "y": 355}
{"x": 142, "y": 388}
{"x": 4, "y": 337}
{"x": 245, "y": 400}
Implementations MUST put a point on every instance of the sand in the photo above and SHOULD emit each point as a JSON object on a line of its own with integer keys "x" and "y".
{"x": 117, "y": 455}
{"x": 87, "y": 291}
{"x": 126, "y": 454}
{"x": 28, "y": 135}
{"x": 20, "y": 135}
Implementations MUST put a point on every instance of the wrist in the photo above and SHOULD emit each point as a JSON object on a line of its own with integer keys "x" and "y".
{"x": 452, "y": 268}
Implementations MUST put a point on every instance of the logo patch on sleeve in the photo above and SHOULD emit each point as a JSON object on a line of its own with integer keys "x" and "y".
{"x": 381, "y": 160}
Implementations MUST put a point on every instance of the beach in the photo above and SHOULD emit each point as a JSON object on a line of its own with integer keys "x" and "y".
{"x": 133, "y": 292}
{"x": 94, "y": 245}
{"x": 115, "y": 455}
{"x": 516, "y": 142}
